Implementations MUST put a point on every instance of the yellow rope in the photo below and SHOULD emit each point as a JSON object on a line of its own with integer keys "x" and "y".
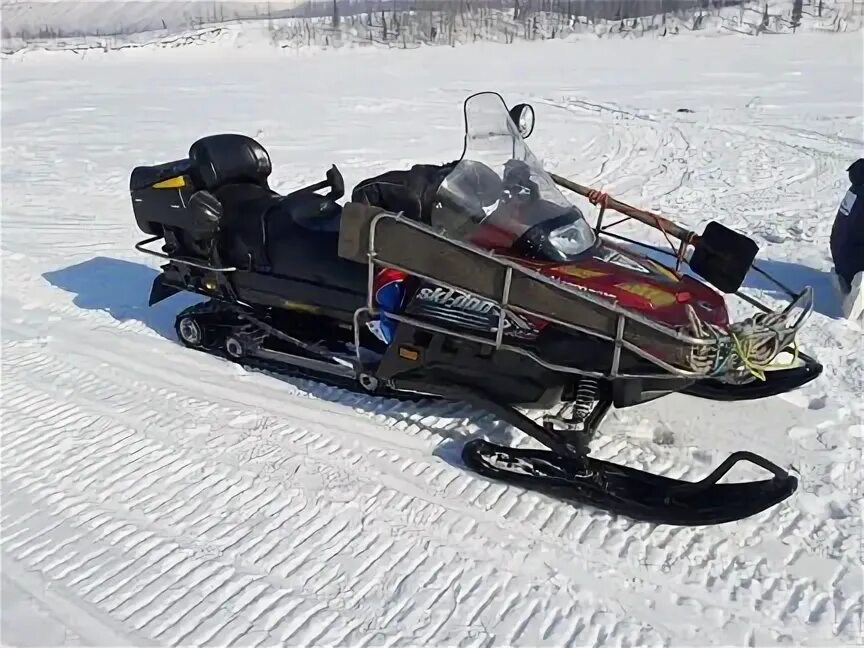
{"x": 744, "y": 350}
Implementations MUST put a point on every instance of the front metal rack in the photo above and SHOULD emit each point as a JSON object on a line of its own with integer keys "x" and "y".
{"x": 505, "y": 307}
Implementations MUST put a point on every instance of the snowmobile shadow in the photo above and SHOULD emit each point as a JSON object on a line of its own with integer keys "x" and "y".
{"x": 433, "y": 415}
{"x": 121, "y": 289}
{"x": 450, "y": 451}
{"x": 796, "y": 276}
{"x": 450, "y": 448}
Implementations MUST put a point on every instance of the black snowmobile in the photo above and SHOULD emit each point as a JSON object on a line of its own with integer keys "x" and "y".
{"x": 476, "y": 280}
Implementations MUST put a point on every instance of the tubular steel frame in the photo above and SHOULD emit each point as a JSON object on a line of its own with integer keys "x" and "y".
{"x": 505, "y": 307}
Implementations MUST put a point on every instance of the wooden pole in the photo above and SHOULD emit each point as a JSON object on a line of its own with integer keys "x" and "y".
{"x": 643, "y": 216}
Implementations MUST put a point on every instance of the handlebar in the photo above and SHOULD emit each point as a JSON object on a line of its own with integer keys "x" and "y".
{"x": 333, "y": 180}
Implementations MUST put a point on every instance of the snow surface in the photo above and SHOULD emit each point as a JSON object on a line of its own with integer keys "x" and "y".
{"x": 155, "y": 495}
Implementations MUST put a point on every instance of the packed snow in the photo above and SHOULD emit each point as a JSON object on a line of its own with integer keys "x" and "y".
{"x": 152, "y": 494}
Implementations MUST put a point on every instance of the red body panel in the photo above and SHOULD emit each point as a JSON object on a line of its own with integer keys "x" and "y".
{"x": 640, "y": 284}
{"x": 632, "y": 280}
{"x": 610, "y": 272}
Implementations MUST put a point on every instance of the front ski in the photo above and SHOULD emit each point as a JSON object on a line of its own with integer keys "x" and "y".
{"x": 634, "y": 493}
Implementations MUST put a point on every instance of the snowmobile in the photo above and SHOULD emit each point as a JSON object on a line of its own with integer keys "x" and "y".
{"x": 477, "y": 280}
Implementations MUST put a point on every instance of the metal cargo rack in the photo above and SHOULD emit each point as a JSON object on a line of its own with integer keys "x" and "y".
{"x": 385, "y": 239}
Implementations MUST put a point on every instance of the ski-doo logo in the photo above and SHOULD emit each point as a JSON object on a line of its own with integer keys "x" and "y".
{"x": 452, "y": 299}
{"x": 471, "y": 311}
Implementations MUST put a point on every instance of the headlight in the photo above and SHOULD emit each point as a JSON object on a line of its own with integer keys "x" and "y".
{"x": 570, "y": 239}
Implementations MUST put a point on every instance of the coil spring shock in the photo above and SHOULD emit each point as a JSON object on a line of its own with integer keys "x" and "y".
{"x": 583, "y": 403}
{"x": 573, "y": 414}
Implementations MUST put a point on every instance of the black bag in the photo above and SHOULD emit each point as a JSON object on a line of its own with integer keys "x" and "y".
{"x": 411, "y": 192}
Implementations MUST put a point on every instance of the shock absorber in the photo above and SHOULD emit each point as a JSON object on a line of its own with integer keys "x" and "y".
{"x": 573, "y": 414}
{"x": 586, "y": 394}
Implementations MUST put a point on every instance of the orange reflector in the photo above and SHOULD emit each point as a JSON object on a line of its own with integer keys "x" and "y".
{"x": 408, "y": 354}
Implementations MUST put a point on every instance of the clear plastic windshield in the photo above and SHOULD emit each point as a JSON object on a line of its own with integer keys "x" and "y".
{"x": 500, "y": 197}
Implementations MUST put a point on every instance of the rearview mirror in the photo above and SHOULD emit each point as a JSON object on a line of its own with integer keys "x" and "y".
{"x": 523, "y": 116}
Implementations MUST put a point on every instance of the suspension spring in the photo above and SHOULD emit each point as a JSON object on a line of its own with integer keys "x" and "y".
{"x": 586, "y": 394}
{"x": 573, "y": 414}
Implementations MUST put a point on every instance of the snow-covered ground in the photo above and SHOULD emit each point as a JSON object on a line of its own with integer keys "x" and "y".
{"x": 154, "y": 495}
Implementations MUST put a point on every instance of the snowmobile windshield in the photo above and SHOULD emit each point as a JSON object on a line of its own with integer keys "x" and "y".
{"x": 498, "y": 195}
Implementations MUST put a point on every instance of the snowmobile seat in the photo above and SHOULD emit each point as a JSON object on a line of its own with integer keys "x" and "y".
{"x": 219, "y": 160}
{"x": 258, "y": 223}
{"x": 284, "y": 247}
{"x": 309, "y": 211}
{"x": 161, "y": 194}
{"x": 288, "y": 245}
{"x": 301, "y": 234}
{"x": 295, "y": 258}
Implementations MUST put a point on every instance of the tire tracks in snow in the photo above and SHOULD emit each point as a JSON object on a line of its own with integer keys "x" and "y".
{"x": 330, "y": 458}
{"x": 280, "y": 548}
{"x": 739, "y": 200}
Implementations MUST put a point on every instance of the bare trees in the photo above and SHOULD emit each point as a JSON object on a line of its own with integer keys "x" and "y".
{"x": 797, "y": 8}
{"x": 412, "y": 23}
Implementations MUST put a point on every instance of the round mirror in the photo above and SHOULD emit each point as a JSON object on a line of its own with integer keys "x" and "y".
{"x": 523, "y": 116}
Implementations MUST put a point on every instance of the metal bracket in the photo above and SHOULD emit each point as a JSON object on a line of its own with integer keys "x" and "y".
{"x": 189, "y": 262}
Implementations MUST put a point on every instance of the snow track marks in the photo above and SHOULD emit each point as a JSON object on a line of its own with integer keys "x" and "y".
{"x": 153, "y": 494}
{"x": 166, "y": 508}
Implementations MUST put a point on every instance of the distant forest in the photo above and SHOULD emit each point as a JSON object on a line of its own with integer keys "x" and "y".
{"x": 413, "y": 23}
{"x": 410, "y": 23}
{"x": 161, "y": 16}
{"x": 600, "y": 9}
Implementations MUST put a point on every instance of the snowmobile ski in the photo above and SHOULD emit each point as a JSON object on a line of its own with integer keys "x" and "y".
{"x": 627, "y": 491}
